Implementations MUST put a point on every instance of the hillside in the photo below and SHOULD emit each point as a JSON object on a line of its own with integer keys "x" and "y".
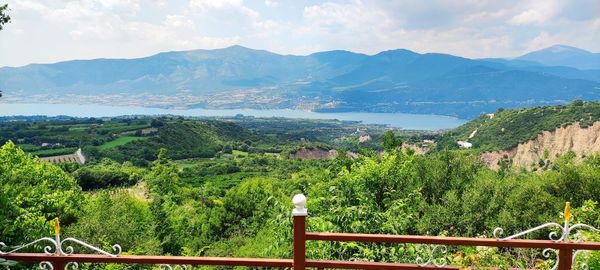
{"x": 238, "y": 77}
{"x": 506, "y": 129}
{"x": 184, "y": 139}
{"x": 549, "y": 146}
{"x": 138, "y": 139}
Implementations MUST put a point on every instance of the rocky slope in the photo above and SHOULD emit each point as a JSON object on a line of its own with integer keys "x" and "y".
{"x": 548, "y": 145}
{"x": 314, "y": 153}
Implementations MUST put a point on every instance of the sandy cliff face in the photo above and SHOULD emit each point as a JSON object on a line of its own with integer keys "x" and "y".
{"x": 314, "y": 153}
{"x": 547, "y": 146}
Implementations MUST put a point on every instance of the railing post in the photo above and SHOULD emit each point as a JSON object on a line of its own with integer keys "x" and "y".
{"x": 565, "y": 257}
{"x": 299, "y": 215}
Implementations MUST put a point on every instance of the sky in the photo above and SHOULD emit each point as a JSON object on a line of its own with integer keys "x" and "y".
{"x": 56, "y": 30}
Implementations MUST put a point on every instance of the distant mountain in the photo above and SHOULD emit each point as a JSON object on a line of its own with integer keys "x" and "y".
{"x": 561, "y": 55}
{"x": 198, "y": 71}
{"x": 239, "y": 77}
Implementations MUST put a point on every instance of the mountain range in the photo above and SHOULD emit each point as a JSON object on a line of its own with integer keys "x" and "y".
{"x": 390, "y": 81}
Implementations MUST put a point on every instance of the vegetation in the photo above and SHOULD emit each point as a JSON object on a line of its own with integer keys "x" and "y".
{"x": 120, "y": 141}
{"x": 54, "y": 152}
{"x": 4, "y": 17}
{"x": 507, "y": 128}
{"x": 223, "y": 188}
{"x": 31, "y": 193}
{"x": 138, "y": 139}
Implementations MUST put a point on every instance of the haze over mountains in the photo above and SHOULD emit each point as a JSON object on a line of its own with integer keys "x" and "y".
{"x": 561, "y": 55}
{"x": 390, "y": 81}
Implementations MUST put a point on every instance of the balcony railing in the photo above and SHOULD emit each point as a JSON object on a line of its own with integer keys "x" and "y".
{"x": 566, "y": 250}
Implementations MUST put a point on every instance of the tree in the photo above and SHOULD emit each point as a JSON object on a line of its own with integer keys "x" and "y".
{"x": 390, "y": 141}
{"x": 115, "y": 216}
{"x": 4, "y": 18}
{"x": 32, "y": 192}
{"x": 577, "y": 103}
{"x": 155, "y": 123}
{"x": 163, "y": 179}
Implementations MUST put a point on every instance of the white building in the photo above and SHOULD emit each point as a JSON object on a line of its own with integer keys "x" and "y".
{"x": 464, "y": 144}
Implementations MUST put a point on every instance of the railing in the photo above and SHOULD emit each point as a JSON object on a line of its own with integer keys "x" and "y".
{"x": 566, "y": 250}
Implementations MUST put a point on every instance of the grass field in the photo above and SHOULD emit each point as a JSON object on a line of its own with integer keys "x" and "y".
{"x": 28, "y": 147}
{"x": 54, "y": 152}
{"x": 120, "y": 141}
{"x": 238, "y": 153}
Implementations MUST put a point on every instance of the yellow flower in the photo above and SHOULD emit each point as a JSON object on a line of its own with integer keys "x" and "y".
{"x": 56, "y": 226}
{"x": 567, "y": 211}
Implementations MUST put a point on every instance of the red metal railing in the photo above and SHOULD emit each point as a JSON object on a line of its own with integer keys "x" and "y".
{"x": 300, "y": 262}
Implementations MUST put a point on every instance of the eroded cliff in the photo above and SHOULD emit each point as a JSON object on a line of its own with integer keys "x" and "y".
{"x": 548, "y": 145}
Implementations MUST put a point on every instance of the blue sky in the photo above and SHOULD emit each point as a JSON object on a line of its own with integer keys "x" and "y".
{"x": 55, "y": 30}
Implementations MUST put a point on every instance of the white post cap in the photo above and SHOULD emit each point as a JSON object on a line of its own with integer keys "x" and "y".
{"x": 299, "y": 202}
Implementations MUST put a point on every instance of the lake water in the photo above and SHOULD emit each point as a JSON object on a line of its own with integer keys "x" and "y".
{"x": 400, "y": 120}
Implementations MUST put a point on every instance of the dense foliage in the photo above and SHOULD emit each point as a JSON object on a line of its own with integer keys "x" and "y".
{"x": 237, "y": 203}
{"x": 31, "y": 193}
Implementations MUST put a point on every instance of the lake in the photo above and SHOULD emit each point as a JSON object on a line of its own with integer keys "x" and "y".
{"x": 399, "y": 120}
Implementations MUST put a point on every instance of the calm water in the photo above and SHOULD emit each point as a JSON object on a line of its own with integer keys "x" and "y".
{"x": 401, "y": 120}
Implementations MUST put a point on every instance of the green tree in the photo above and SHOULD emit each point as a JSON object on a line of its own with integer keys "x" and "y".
{"x": 391, "y": 141}
{"x": 108, "y": 173}
{"x": 116, "y": 217}
{"x": 32, "y": 192}
{"x": 163, "y": 179}
{"x": 577, "y": 102}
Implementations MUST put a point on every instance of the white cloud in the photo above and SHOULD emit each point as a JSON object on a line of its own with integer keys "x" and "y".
{"x": 355, "y": 14}
{"x": 204, "y": 6}
{"x": 26, "y": 4}
{"x": 537, "y": 12}
{"x": 528, "y": 17}
{"x": 53, "y": 30}
{"x": 127, "y": 4}
{"x": 179, "y": 21}
{"x": 271, "y": 3}
{"x": 596, "y": 23}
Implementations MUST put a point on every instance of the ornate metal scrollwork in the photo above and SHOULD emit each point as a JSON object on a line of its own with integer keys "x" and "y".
{"x": 169, "y": 267}
{"x": 69, "y": 249}
{"x": 585, "y": 254}
{"x": 55, "y": 247}
{"x": 430, "y": 254}
{"x": 547, "y": 253}
{"x": 46, "y": 266}
{"x": 565, "y": 231}
{"x": 47, "y": 249}
{"x": 72, "y": 265}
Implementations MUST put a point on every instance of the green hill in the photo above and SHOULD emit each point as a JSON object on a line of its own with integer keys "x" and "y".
{"x": 507, "y": 128}
{"x": 183, "y": 139}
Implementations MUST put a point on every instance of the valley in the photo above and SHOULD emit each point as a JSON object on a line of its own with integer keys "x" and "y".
{"x": 184, "y": 184}
{"x": 250, "y": 135}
